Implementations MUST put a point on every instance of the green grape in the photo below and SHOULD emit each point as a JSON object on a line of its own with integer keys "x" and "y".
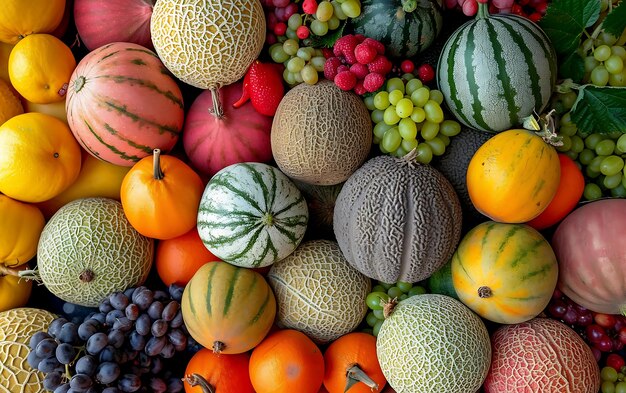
{"x": 376, "y": 327}
{"x": 577, "y": 144}
{"x": 416, "y": 290}
{"x": 394, "y": 84}
{"x": 377, "y": 115}
{"x": 400, "y": 152}
{"x": 376, "y": 140}
{"x": 278, "y": 54}
{"x": 395, "y": 96}
{"x": 390, "y": 115}
{"x": 294, "y": 21}
{"x": 420, "y": 96}
{"x": 403, "y": 297}
{"x": 382, "y": 149}
{"x": 602, "y": 52}
{"x": 621, "y": 143}
{"x": 409, "y": 145}
{"x": 282, "y": 38}
{"x": 429, "y": 130}
{"x": 607, "y": 387}
{"x": 295, "y": 64}
{"x": 607, "y": 38}
{"x": 608, "y": 374}
{"x": 379, "y": 314}
{"x": 381, "y": 100}
{"x": 352, "y": 8}
{"x": 319, "y": 28}
{"x": 592, "y": 140}
{"x": 449, "y": 128}
{"x": 620, "y": 387}
{"x": 437, "y": 146}
{"x": 436, "y": 96}
{"x": 413, "y": 85}
{"x": 590, "y": 63}
{"x": 309, "y": 74}
{"x": 324, "y": 11}
{"x": 586, "y": 156}
{"x": 333, "y": 23}
{"x": 375, "y": 300}
{"x": 614, "y": 64}
{"x": 605, "y": 147}
{"x": 594, "y": 165}
{"x": 394, "y": 292}
{"x": 591, "y": 173}
{"x": 386, "y": 285}
{"x": 404, "y": 286}
{"x": 318, "y": 63}
{"x": 380, "y": 129}
{"x": 566, "y": 119}
{"x": 304, "y": 53}
{"x": 592, "y": 191}
{"x": 568, "y": 130}
{"x": 424, "y": 153}
{"x": 298, "y": 77}
{"x": 612, "y": 181}
{"x": 567, "y": 143}
{"x": 289, "y": 77}
{"x": 291, "y": 47}
{"x": 619, "y": 191}
{"x": 371, "y": 319}
{"x": 379, "y": 288}
{"x": 433, "y": 111}
{"x": 407, "y": 77}
{"x": 404, "y": 108}
{"x": 338, "y": 11}
{"x": 600, "y": 76}
{"x": 407, "y": 128}
{"x": 571, "y": 154}
{"x": 443, "y": 138}
{"x": 418, "y": 115}
{"x": 611, "y": 165}
{"x": 618, "y": 80}
{"x": 618, "y": 51}
{"x": 291, "y": 34}
{"x": 568, "y": 99}
{"x": 369, "y": 103}
{"x": 392, "y": 139}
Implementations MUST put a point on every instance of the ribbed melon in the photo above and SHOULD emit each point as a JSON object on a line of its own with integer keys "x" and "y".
{"x": 88, "y": 250}
{"x": 321, "y": 134}
{"x": 16, "y": 328}
{"x": 433, "y": 344}
{"x": 318, "y": 292}
{"x": 495, "y": 70}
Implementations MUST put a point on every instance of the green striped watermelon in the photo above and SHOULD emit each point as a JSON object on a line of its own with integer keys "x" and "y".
{"x": 252, "y": 215}
{"x": 495, "y": 70}
{"x": 122, "y": 103}
{"x": 406, "y": 27}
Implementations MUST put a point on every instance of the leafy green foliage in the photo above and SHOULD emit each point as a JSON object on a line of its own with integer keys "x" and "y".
{"x": 565, "y": 21}
{"x": 600, "y": 110}
{"x": 329, "y": 39}
{"x": 615, "y": 21}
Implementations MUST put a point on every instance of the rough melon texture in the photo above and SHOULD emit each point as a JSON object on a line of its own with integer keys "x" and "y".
{"x": 320, "y": 133}
{"x": 396, "y": 221}
{"x": 318, "y": 292}
{"x": 433, "y": 343}
{"x": 88, "y": 250}
{"x": 209, "y": 43}
{"x": 16, "y": 328}
{"x": 541, "y": 356}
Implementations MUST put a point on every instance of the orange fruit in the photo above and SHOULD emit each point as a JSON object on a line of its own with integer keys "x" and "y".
{"x": 19, "y": 18}
{"x": 5, "y": 51}
{"x": 178, "y": 259}
{"x": 39, "y": 157}
{"x": 40, "y": 67}
{"x": 14, "y": 291}
{"x": 10, "y": 105}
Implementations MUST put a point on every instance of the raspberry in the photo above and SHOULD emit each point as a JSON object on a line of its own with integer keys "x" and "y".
{"x": 302, "y": 32}
{"x": 359, "y": 37}
{"x": 380, "y": 48}
{"x": 328, "y": 53}
{"x": 345, "y": 80}
{"x": 345, "y": 45}
{"x": 309, "y": 7}
{"x": 365, "y": 53}
{"x": 359, "y": 70}
{"x": 380, "y": 65}
{"x": 373, "y": 81}
{"x": 426, "y": 73}
{"x": 359, "y": 88}
{"x": 330, "y": 67}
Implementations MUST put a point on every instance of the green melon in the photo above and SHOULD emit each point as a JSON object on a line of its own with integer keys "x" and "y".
{"x": 88, "y": 250}
{"x": 16, "y": 328}
{"x": 318, "y": 292}
{"x": 433, "y": 343}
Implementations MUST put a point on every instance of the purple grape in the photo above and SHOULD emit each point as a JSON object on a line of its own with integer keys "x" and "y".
{"x": 46, "y": 347}
{"x": 281, "y": 3}
{"x": 87, "y": 329}
{"x": 178, "y": 339}
{"x": 168, "y": 351}
{"x": 290, "y": 9}
{"x": 557, "y": 308}
{"x": 570, "y": 316}
{"x": 107, "y": 373}
{"x": 132, "y": 312}
{"x": 105, "y": 306}
{"x": 585, "y": 319}
{"x": 55, "y": 326}
{"x": 65, "y": 353}
{"x": 169, "y": 312}
{"x": 81, "y": 382}
{"x": 156, "y": 365}
{"x": 595, "y": 333}
{"x": 36, "y": 338}
{"x": 159, "y": 328}
{"x": 605, "y": 344}
{"x": 124, "y": 324}
{"x": 52, "y": 381}
{"x": 113, "y": 316}
{"x": 178, "y": 320}
{"x": 111, "y": 389}
{"x": 160, "y": 295}
{"x": 86, "y": 365}
{"x": 129, "y": 292}
{"x": 99, "y": 317}
{"x": 143, "y": 297}
{"x": 116, "y": 338}
{"x": 280, "y": 14}
{"x": 68, "y": 333}
{"x": 108, "y": 354}
{"x": 155, "y": 345}
{"x": 49, "y": 365}
{"x": 63, "y": 388}
{"x": 96, "y": 343}
{"x": 143, "y": 324}
{"x": 157, "y": 385}
{"x": 33, "y": 360}
{"x": 155, "y": 310}
{"x": 119, "y": 301}
{"x": 136, "y": 341}
{"x": 174, "y": 385}
{"x": 176, "y": 292}
{"x": 129, "y": 383}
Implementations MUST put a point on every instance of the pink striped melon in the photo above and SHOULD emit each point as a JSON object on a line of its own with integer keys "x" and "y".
{"x": 239, "y": 135}
{"x": 122, "y": 103}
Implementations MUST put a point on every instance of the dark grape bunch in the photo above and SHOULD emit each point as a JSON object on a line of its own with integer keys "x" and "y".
{"x": 124, "y": 347}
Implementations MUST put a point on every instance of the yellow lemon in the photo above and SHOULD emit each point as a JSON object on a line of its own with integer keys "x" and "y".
{"x": 40, "y": 67}
{"x": 39, "y": 157}
{"x": 19, "y": 18}
{"x": 10, "y": 105}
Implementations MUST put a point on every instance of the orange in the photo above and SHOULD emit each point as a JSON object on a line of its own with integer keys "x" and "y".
{"x": 39, "y": 157}
{"x": 20, "y": 225}
{"x": 19, "y": 18}
{"x": 178, "y": 259}
{"x": 5, "y": 51}
{"x": 40, "y": 67}
{"x": 10, "y": 105}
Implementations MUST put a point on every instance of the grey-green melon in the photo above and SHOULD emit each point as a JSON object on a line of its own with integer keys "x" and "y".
{"x": 433, "y": 344}
{"x": 88, "y": 250}
{"x": 318, "y": 292}
{"x": 397, "y": 220}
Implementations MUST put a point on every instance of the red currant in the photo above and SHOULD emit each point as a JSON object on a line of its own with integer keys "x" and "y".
{"x": 280, "y": 28}
{"x": 302, "y": 32}
{"x": 426, "y": 73}
{"x": 622, "y": 335}
{"x": 616, "y": 361}
{"x": 407, "y": 66}
{"x": 607, "y": 321}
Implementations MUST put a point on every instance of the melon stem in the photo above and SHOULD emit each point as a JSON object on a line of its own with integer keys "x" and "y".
{"x": 389, "y": 306}
{"x": 32, "y": 274}
{"x": 156, "y": 165}
{"x": 483, "y": 11}
{"x": 355, "y": 375}
{"x": 7, "y": 271}
{"x": 217, "y": 110}
{"x": 79, "y": 83}
{"x": 196, "y": 379}
{"x": 484, "y": 292}
{"x": 218, "y": 347}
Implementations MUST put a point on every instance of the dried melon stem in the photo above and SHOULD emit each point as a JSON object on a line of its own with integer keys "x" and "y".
{"x": 86, "y": 275}
{"x": 196, "y": 379}
{"x": 409, "y": 158}
{"x": 389, "y": 306}
{"x": 355, "y": 374}
{"x": 217, "y": 110}
{"x": 156, "y": 165}
{"x": 32, "y": 274}
{"x": 7, "y": 271}
{"x": 484, "y": 292}
{"x": 218, "y": 347}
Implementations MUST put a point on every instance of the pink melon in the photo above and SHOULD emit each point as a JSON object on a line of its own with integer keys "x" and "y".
{"x": 122, "y": 103}
{"x": 101, "y": 22}
{"x": 239, "y": 135}
{"x": 541, "y": 356}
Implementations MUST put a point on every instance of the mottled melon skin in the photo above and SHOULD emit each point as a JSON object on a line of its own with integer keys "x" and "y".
{"x": 318, "y": 292}
{"x": 397, "y": 222}
{"x": 320, "y": 133}
{"x": 208, "y": 43}
{"x": 16, "y": 328}
{"x": 92, "y": 234}
{"x": 543, "y": 356}
{"x": 433, "y": 344}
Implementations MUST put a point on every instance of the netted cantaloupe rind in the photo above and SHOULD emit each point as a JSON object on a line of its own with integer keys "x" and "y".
{"x": 208, "y": 43}
{"x": 16, "y": 328}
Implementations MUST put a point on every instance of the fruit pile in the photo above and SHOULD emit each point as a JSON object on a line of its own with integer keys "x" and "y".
{"x": 313, "y": 196}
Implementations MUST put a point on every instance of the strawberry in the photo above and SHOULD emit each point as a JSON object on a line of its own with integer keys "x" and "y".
{"x": 263, "y": 86}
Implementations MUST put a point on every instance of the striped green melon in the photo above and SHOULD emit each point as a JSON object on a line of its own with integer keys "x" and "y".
{"x": 318, "y": 292}
{"x": 495, "y": 70}
{"x": 252, "y": 215}
{"x": 405, "y": 27}
{"x": 433, "y": 344}
{"x": 122, "y": 103}
{"x": 88, "y": 250}
{"x": 228, "y": 309}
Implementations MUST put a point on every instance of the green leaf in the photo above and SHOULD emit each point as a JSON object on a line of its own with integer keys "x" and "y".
{"x": 573, "y": 67}
{"x": 600, "y": 110}
{"x": 565, "y": 21}
{"x": 615, "y": 21}
{"x": 328, "y": 40}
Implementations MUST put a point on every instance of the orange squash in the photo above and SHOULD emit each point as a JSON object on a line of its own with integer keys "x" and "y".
{"x": 160, "y": 196}
{"x": 19, "y": 18}
{"x": 20, "y": 225}
{"x": 208, "y": 372}
{"x": 14, "y": 290}
{"x": 286, "y": 361}
{"x": 350, "y": 362}
{"x": 513, "y": 176}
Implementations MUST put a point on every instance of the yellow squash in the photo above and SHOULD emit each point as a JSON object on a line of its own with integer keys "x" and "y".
{"x": 14, "y": 290}
{"x": 19, "y": 18}
{"x": 20, "y": 225}
{"x": 10, "y": 105}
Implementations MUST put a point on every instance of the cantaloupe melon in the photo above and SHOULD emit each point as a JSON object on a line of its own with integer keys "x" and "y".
{"x": 16, "y": 328}
{"x": 433, "y": 344}
{"x": 88, "y": 250}
{"x": 320, "y": 133}
{"x": 318, "y": 292}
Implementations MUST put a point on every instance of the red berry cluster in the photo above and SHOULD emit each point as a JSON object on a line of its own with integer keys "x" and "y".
{"x": 425, "y": 72}
{"x": 358, "y": 63}
{"x": 531, "y": 9}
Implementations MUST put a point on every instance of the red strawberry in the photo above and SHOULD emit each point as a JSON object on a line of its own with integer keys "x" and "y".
{"x": 263, "y": 85}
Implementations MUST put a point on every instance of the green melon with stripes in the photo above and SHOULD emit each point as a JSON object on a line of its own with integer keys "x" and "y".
{"x": 506, "y": 273}
{"x": 495, "y": 70}
{"x": 252, "y": 215}
{"x": 405, "y": 27}
{"x": 228, "y": 309}
{"x": 122, "y": 103}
